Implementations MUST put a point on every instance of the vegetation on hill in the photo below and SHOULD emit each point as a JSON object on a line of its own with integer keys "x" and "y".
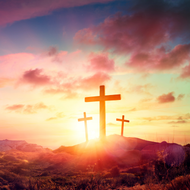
{"x": 62, "y": 171}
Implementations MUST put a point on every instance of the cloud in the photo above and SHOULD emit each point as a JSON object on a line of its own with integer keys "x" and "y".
{"x": 100, "y": 62}
{"x": 146, "y": 33}
{"x": 16, "y": 10}
{"x": 52, "y": 51}
{"x": 35, "y": 77}
{"x": 113, "y": 124}
{"x": 5, "y": 81}
{"x": 172, "y": 118}
{"x": 185, "y": 72}
{"x": 93, "y": 81}
{"x": 18, "y": 61}
{"x": 16, "y": 107}
{"x": 165, "y": 98}
{"x": 179, "y": 120}
{"x": 133, "y": 109}
{"x": 83, "y": 83}
{"x": 140, "y": 89}
{"x": 58, "y": 116}
{"x": 180, "y": 96}
{"x": 55, "y": 54}
{"x": 27, "y": 109}
{"x": 160, "y": 59}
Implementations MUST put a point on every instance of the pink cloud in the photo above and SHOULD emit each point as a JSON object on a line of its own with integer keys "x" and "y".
{"x": 61, "y": 88}
{"x": 126, "y": 33}
{"x": 145, "y": 34}
{"x": 94, "y": 81}
{"x": 100, "y": 62}
{"x": 84, "y": 83}
{"x": 27, "y": 109}
{"x": 146, "y": 26}
{"x": 140, "y": 89}
{"x": 52, "y": 51}
{"x": 5, "y": 82}
{"x": 35, "y": 77}
{"x": 176, "y": 57}
{"x": 160, "y": 59}
{"x": 55, "y": 54}
{"x": 12, "y": 64}
{"x": 185, "y": 72}
{"x": 165, "y": 98}
{"x": 12, "y": 10}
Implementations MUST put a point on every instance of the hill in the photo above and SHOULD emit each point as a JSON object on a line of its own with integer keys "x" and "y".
{"x": 116, "y": 162}
{"x": 124, "y": 151}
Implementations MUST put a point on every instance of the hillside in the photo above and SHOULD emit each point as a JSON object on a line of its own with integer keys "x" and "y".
{"x": 124, "y": 160}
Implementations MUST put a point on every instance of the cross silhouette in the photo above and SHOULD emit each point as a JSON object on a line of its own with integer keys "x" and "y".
{"x": 85, "y": 123}
{"x": 102, "y": 99}
{"x": 122, "y": 124}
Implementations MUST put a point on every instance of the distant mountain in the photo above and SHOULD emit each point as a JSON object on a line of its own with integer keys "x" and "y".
{"x": 21, "y": 145}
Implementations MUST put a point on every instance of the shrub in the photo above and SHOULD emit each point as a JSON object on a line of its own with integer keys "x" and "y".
{"x": 181, "y": 182}
{"x": 160, "y": 169}
{"x": 115, "y": 172}
{"x": 128, "y": 180}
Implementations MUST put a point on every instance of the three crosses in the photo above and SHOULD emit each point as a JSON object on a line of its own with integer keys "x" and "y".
{"x": 102, "y": 98}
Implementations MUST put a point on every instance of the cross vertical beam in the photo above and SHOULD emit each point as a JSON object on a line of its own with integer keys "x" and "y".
{"x": 122, "y": 124}
{"x": 85, "y": 124}
{"x": 102, "y": 113}
{"x": 102, "y": 99}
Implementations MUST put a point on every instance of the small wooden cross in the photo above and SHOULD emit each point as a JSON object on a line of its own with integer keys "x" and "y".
{"x": 122, "y": 124}
{"x": 102, "y": 99}
{"x": 85, "y": 123}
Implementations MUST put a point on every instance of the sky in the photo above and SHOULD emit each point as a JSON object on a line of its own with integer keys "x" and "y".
{"x": 53, "y": 54}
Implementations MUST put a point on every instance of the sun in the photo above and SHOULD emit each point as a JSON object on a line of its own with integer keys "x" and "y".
{"x": 93, "y": 128}
{"x": 93, "y": 134}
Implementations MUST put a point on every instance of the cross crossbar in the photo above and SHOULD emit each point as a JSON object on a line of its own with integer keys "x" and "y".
{"x": 122, "y": 120}
{"x": 102, "y": 98}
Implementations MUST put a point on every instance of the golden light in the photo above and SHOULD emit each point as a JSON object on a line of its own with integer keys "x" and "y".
{"x": 92, "y": 128}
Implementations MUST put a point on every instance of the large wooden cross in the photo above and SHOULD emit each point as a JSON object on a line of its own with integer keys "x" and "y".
{"x": 102, "y": 99}
{"x": 85, "y": 123}
{"x": 122, "y": 124}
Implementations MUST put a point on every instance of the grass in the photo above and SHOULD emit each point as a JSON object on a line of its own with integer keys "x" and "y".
{"x": 155, "y": 175}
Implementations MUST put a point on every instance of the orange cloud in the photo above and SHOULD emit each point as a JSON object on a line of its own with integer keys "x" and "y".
{"x": 180, "y": 96}
{"x": 165, "y": 117}
{"x": 58, "y": 116}
{"x": 165, "y": 98}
